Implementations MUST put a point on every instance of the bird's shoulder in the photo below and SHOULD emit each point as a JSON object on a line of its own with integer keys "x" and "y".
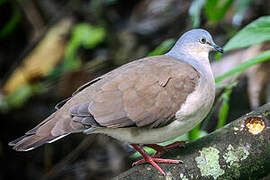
{"x": 155, "y": 67}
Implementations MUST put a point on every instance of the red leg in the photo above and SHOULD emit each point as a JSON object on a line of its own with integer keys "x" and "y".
{"x": 149, "y": 159}
{"x": 160, "y": 150}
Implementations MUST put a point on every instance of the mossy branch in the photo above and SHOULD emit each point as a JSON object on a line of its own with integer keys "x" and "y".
{"x": 240, "y": 150}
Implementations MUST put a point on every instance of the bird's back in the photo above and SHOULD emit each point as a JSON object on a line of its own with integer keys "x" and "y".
{"x": 145, "y": 92}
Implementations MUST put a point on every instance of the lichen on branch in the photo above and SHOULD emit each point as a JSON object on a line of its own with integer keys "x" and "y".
{"x": 240, "y": 150}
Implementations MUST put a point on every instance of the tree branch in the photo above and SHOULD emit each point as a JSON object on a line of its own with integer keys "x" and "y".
{"x": 240, "y": 150}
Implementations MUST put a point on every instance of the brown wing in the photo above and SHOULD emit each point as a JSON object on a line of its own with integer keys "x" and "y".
{"x": 144, "y": 92}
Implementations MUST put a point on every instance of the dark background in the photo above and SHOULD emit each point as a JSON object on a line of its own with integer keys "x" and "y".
{"x": 132, "y": 29}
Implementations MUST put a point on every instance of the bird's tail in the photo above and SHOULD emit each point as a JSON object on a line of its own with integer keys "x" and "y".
{"x": 29, "y": 142}
{"x": 51, "y": 129}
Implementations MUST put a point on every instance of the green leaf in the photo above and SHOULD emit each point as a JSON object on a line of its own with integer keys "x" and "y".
{"x": 240, "y": 68}
{"x": 216, "y": 9}
{"x": 12, "y": 23}
{"x": 218, "y": 56}
{"x": 254, "y": 33}
{"x": 21, "y": 95}
{"x": 2, "y": 2}
{"x": 194, "y": 133}
{"x": 18, "y": 98}
{"x": 224, "y": 109}
{"x": 84, "y": 35}
{"x": 147, "y": 149}
{"x": 89, "y": 36}
{"x": 164, "y": 47}
{"x": 183, "y": 137}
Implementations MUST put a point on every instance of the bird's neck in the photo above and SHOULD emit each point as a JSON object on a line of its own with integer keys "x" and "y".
{"x": 199, "y": 60}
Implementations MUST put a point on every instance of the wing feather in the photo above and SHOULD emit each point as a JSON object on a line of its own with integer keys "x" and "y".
{"x": 146, "y": 92}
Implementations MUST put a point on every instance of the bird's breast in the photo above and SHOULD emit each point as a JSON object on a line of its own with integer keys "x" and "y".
{"x": 197, "y": 105}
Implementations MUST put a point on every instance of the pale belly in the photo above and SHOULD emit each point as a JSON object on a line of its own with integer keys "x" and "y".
{"x": 197, "y": 106}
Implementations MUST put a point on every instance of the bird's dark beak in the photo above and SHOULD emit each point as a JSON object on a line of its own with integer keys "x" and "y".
{"x": 217, "y": 48}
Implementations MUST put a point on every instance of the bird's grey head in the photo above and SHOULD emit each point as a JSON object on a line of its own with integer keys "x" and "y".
{"x": 196, "y": 42}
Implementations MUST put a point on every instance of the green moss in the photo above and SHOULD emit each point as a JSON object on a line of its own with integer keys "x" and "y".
{"x": 235, "y": 155}
{"x": 260, "y": 163}
{"x": 208, "y": 162}
{"x": 266, "y": 113}
{"x": 232, "y": 157}
{"x": 232, "y": 173}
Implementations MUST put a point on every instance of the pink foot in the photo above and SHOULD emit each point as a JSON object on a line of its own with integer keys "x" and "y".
{"x": 160, "y": 150}
{"x": 151, "y": 160}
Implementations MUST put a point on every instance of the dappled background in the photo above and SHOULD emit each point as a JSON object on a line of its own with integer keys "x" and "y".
{"x": 50, "y": 48}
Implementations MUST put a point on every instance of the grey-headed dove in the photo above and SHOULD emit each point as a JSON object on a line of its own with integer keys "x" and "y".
{"x": 147, "y": 101}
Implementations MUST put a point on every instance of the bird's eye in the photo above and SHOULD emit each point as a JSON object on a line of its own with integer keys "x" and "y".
{"x": 203, "y": 40}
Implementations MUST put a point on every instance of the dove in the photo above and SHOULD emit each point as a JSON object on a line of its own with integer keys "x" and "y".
{"x": 143, "y": 103}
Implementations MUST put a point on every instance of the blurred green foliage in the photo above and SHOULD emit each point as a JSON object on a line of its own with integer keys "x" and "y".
{"x": 89, "y": 36}
{"x": 11, "y": 25}
{"x": 164, "y": 47}
{"x": 240, "y": 9}
{"x": 216, "y": 9}
{"x": 265, "y": 56}
{"x": 2, "y": 1}
{"x": 256, "y": 32}
{"x": 225, "y": 97}
{"x": 196, "y": 133}
{"x": 20, "y": 96}
{"x": 83, "y": 35}
{"x": 195, "y": 12}
{"x": 224, "y": 108}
